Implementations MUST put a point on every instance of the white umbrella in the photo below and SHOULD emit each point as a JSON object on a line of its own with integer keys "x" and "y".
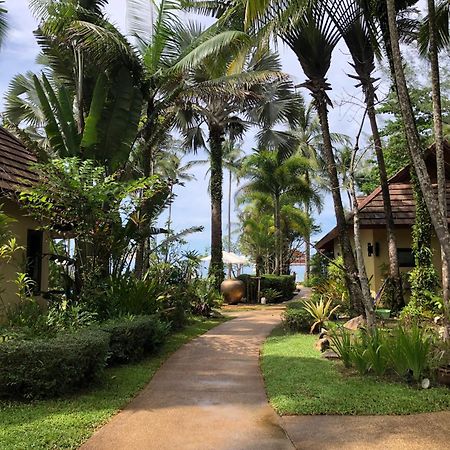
{"x": 230, "y": 258}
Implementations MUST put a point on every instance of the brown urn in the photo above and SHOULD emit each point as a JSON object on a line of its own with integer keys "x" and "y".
{"x": 233, "y": 291}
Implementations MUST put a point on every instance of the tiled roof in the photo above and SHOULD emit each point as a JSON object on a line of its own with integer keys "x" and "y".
{"x": 15, "y": 163}
{"x": 371, "y": 208}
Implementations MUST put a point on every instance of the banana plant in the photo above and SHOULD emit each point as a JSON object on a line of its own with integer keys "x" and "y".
{"x": 110, "y": 126}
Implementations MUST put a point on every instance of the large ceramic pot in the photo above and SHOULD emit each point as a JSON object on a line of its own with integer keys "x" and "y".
{"x": 233, "y": 291}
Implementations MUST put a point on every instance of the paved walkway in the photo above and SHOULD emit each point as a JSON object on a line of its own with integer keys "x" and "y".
{"x": 208, "y": 395}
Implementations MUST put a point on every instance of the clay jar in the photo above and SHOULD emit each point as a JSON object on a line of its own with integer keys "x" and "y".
{"x": 233, "y": 291}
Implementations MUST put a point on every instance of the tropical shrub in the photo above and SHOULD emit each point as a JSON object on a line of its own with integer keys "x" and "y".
{"x": 271, "y": 295}
{"x": 407, "y": 352}
{"x": 341, "y": 342}
{"x": 333, "y": 287}
{"x": 296, "y": 319}
{"x": 130, "y": 338}
{"x": 410, "y": 351}
{"x": 321, "y": 312}
{"x": 52, "y": 366}
{"x": 204, "y": 297}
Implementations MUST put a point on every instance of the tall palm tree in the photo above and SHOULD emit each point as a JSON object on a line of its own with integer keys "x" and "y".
{"x": 232, "y": 159}
{"x": 222, "y": 95}
{"x": 2, "y": 23}
{"x": 437, "y": 37}
{"x": 361, "y": 42}
{"x": 438, "y": 219}
{"x": 273, "y": 175}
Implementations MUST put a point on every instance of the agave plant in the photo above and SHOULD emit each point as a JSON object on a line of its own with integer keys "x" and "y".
{"x": 320, "y": 311}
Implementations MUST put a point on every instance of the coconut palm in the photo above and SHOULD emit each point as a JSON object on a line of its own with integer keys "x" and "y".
{"x": 270, "y": 174}
{"x": 306, "y": 27}
{"x": 221, "y": 96}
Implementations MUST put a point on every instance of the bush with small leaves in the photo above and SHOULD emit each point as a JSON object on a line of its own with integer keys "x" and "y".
{"x": 52, "y": 366}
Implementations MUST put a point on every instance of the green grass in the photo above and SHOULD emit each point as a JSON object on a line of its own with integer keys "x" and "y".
{"x": 67, "y": 422}
{"x": 299, "y": 381}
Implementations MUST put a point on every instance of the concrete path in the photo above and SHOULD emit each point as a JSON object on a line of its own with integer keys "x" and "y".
{"x": 415, "y": 432}
{"x": 208, "y": 395}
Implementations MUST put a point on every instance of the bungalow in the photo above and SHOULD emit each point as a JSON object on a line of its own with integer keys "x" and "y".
{"x": 373, "y": 224}
{"x": 16, "y": 174}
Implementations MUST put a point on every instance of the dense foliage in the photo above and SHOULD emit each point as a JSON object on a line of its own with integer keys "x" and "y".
{"x": 51, "y": 367}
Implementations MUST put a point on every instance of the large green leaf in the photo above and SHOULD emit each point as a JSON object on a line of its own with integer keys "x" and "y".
{"x": 91, "y": 135}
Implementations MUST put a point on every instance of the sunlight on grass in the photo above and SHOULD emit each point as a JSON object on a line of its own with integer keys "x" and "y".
{"x": 299, "y": 381}
{"x": 67, "y": 422}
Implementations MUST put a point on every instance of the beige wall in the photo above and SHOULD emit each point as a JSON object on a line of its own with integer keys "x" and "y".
{"x": 8, "y": 272}
{"x": 376, "y": 266}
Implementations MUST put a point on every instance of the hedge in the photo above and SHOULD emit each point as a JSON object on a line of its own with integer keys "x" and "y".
{"x": 285, "y": 284}
{"x": 131, "y": 339}
{"x": 296, "y": 319}
{"x": 53, "y": 366}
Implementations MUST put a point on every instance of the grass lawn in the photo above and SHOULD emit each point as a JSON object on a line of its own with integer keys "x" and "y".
{"x": 299, "y": 381}
{"x": 67, "y": 422}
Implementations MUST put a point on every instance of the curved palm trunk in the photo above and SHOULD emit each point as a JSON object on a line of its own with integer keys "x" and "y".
{"x": 439, "y": 220}
{"x": 394, "y": 272}
{"x": 215, "y": 142}
{"x": 439, "y": 139}
{"x": 353, "y": 286}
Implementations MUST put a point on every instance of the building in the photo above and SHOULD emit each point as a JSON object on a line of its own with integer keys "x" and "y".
{"x": 16, "y": 173}
{"x": 373, "y": 224}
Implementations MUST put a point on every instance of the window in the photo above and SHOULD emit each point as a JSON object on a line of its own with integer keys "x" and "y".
{"x": 35, "y": 240}
{"x": 405, "y": 257}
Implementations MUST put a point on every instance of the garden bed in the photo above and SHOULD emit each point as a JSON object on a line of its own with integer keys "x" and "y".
{"x": 299, "y": 381}
{"x": 68, "y": 422}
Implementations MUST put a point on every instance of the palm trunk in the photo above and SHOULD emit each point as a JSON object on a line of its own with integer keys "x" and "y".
{"x": 216, "y": 264}
{"x": 394, "y": 272}
{"x": 439, "y": 220}
{"x": 307, "y": 256}
{"x": 439, "y": 140}
{"x": 367, "y": 296}
{"x": 147, "y": 164}
{"x": 352, "y": 282}
{"x": 278, "y": 249}
{"x": 230, "y": 179}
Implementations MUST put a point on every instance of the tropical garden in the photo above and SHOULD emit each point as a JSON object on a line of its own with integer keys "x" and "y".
{"x": 118, "y": 122}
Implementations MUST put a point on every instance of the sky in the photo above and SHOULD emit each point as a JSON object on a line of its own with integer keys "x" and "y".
{"x": 192, "y": 205}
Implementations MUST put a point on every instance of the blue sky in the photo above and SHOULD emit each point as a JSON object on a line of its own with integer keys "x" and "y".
{"x": 191, "y": 206}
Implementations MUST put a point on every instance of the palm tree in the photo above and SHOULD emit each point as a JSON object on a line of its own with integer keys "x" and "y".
{"x": 221, "y": 95}
{"x": 438, "y": 219}
{"x": 437, "y": 37}
{"x": 362, "y": 45}
{"x": 2, "y": 22}
{"x": 270, "y": 174}
{"x": 232, "y": 159}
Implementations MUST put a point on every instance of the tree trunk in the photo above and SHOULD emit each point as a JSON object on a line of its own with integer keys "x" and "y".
{"x": 230, "y": 179}
{"x": 367, "y": 296}
{"x": 439, "y": 141}
{"x": 278, "y": 249}
{"x": 439, "y": 220}
{"x": 216, "y": 264}
{"x": 307, "y": 256}
{"x": 394, "y": 272}
{"x": 147, "y": 165}
{"x": 353, "y": 286}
